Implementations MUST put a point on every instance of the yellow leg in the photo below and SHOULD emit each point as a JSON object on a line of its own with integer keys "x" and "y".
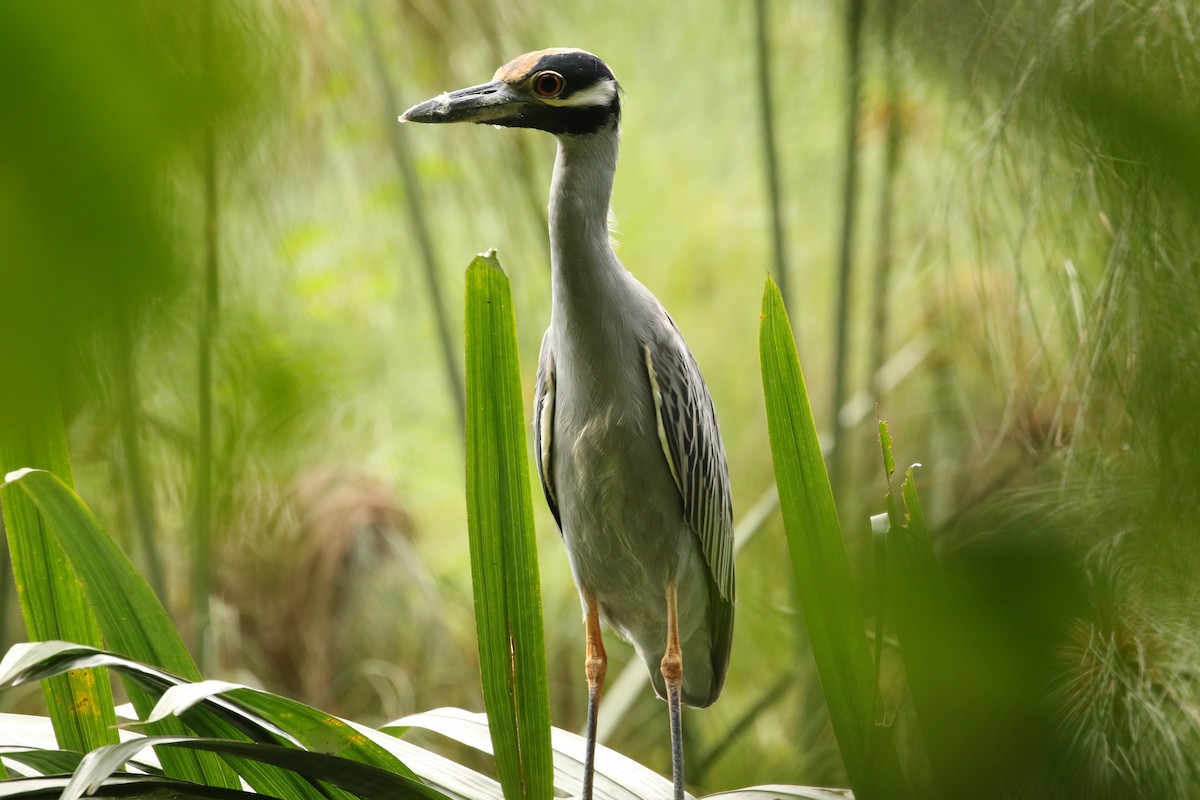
{"x": 672, "y": 672}
{"x": 596, "y": 665}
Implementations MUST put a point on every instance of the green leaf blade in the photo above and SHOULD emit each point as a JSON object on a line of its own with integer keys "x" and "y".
{"x": 504, "y": 566}
{"x": 131, "y": 619}
{"x": 927, "y": 629}
{"x": 317, "y": 730}
{"x": 52, "y": 603}
{"x": 364, "y": 780}
{"x": 129, "y": 787}
{"x": 210, "y": 717}
{"x": 821, "y": 567}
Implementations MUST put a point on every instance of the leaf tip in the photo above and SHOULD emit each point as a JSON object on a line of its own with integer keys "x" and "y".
{"x": 885, "y": 442}
{"x": 487, "y": 258}
{"x": 770, "y": 290}
{"x": 17, "y": 474}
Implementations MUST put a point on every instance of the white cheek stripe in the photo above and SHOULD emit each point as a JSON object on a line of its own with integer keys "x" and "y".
{"x": 599, "y": 95}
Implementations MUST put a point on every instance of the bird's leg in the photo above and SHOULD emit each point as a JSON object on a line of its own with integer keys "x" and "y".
{"x": 596, "y": 664}
{"x": 672, "y": 672}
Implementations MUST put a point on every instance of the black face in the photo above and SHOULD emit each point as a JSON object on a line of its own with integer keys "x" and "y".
{"x": 564, "y": 92}
{"x": 578, "y": 92}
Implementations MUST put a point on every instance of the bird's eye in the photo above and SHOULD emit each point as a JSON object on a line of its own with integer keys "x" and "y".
{"x": 549, "y": 84}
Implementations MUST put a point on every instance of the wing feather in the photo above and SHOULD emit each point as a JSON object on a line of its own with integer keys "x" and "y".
{"x": 543, "y": 425}
{"x": 687, "y": 427}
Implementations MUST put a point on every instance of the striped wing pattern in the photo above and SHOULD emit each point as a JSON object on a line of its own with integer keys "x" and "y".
{"x": 692, "y": 445}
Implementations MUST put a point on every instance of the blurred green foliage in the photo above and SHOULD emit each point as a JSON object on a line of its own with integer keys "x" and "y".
{"x": 99, "y": 103}
{"x": 1074, "y": 598}
{"x": 1043, "y": 335}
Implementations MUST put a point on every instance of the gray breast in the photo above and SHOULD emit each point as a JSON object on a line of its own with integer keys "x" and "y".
{"x": 620, "y": 509}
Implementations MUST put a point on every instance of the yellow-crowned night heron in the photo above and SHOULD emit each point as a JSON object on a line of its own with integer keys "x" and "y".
{"x": 627, "y": 445}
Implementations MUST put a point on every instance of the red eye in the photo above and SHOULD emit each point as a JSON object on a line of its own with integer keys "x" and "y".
{"x": 549, "y": 84}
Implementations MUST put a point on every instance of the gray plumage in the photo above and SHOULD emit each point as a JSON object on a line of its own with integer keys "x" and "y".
{"x": 626, "y": 439}
{"x": 634, "y": 514}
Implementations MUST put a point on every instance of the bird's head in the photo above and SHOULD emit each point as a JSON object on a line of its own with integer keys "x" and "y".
{"x": 561, "y": 91}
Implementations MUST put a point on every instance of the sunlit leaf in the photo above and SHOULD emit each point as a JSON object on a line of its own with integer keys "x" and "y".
{"x": 778, "y": 792}
{"x": 447, "y": 776}
{"x": 218, "y": 708}
{"x": 616, "y": 775}
{"x": 214, "y": 718}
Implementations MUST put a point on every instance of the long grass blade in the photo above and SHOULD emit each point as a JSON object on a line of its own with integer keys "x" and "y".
{"x": 504, "y": 570}
{"x": 419, "y": 225}
{"x": 822, "y": 569}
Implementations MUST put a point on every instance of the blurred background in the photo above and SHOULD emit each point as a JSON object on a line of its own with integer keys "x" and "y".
{"x": 241, "y": 280}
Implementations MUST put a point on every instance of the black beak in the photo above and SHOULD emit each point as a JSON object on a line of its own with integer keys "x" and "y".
{"x": 488, "y": 102}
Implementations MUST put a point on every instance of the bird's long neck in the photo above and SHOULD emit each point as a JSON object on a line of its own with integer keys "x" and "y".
{"x": 585, "y": 271}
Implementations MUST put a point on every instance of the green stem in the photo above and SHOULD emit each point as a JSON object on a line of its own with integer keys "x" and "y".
{"x": 891, "y": 160}
{"x": 855, "y": 10}
{"x": 770, "y": 150}
{"x": 203, "y": 522}
{"x": 419, "y": 224}
{"x": 139, "y": 493}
